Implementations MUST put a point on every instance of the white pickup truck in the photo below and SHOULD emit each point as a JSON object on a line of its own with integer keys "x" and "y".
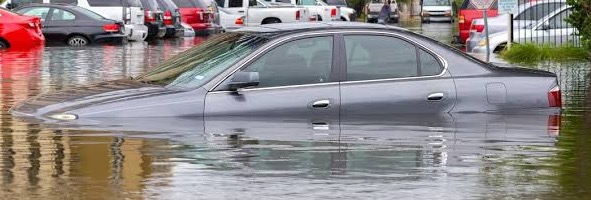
{"x": 323, "y": 11}
{"x": 259, "y": 12}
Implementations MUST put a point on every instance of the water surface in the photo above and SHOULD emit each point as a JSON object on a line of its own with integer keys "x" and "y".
{"x": 446, "y": 156}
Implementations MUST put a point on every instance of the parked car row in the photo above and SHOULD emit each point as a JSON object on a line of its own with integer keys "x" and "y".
{"x": 84, "y": 22}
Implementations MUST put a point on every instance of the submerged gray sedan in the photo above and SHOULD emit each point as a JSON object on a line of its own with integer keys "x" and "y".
{"x": 326, "y": 69}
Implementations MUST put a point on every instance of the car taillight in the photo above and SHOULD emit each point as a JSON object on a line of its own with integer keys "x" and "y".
{"x": 478, "y": 28}
{"x": 297, "y": 15}
{"x": 333, "y": 12}
{"x": 167, "y": 17}
{"x": 149, "y": 16}
{"x": 111, "y": 28}
{"x": 555, "y": 97}
{"x": 461, "y": 19}
{"x": 239, "y": 21}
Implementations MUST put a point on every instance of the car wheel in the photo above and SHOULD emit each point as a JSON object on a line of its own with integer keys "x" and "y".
{"x": 78, "y": 40}
{"x": 3, "y": 45}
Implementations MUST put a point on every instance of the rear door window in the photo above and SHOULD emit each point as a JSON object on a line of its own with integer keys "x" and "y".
{"x": 559, "y": 20}
{"x": 379, "y": 57}
{"x": 235, "y": 3}
{"x": 62, "y": 15}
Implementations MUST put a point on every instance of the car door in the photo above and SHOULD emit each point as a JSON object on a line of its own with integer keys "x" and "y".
{"x": 297, "y": 78}
{"x": 59, "y": 25}
{"x": 387, "y": 74}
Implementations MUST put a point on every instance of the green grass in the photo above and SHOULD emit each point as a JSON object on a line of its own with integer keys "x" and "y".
{"x": 532, "y": 53}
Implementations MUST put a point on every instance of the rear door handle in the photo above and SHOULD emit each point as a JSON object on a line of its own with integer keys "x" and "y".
{"x": 241, "y": 11}
{"x": 435, "y": 96}
{"x": 321, "y": 104}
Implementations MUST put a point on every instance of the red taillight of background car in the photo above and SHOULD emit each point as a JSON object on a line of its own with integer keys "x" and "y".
{"x": 555, "y": 97}
{"x": 477, "y": 28}
{"x": 149, "y": 16}
{"x": 297, "y": 15}
{"x": 333, "y": 12}
{"x": 168, "y": 17}
{"x": 111, "y": 28}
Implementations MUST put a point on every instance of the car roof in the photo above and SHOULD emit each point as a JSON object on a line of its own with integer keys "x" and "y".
{"x": 286, "y": 28}
{"x": 56, "y": 5}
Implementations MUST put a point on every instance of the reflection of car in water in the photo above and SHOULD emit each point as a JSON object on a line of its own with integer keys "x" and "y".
{"x": 376, "y": 144}
{"x": 436, "y": 10}
{"x": 374, "y": 8}
{"x": 296, "y": 70}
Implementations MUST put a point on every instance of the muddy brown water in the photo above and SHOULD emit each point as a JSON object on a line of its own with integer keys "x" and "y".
{"x": 447, "y": 156}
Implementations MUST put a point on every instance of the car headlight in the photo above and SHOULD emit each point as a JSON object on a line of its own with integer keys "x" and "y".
{"x": 483, "y": 42}
{"x": 64, "y": 116}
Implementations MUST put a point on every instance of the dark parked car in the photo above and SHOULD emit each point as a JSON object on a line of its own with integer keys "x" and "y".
{"x": 74, "y": 25}
{"x": 154, "y": 19}
{"x": 172, "y": 18}
{"x": 322, "y": 69}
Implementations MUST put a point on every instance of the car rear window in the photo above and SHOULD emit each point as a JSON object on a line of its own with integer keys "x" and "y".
{"x": 114, "y": 3}
{"x": 469, "y": 5}
{"x": 539, "y": 11}
{"x": 150, "y": 5}
{"x": 190, "y": 3}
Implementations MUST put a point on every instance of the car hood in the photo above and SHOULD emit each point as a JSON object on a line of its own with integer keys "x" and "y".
{"x": 436, "y": 8}
{"x": 92, "y": 95}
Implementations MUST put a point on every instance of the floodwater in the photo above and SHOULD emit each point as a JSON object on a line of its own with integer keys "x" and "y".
{"x": 446, "y": 156}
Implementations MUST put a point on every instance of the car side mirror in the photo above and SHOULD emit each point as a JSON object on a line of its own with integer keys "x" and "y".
{"x": 9, "y": 6}
{"x": 243, "y": 80}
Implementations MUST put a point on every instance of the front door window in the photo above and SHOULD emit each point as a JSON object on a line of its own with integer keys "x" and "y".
{"x": 300, "y": 62}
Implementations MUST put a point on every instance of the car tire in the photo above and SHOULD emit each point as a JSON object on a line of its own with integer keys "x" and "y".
{"x": 77, "y": 41}
{"x": 3, "y": 45}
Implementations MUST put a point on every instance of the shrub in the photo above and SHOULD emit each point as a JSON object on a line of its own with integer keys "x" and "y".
{"x": 532, "y": 53}
{"x": 580, "y": 18}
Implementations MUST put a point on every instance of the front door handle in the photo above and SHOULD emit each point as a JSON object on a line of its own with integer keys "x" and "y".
{"x": 435, "y": 96}
{"x": 321, "y": 104}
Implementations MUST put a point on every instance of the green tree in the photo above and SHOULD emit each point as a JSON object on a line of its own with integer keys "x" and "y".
{"x": 581, "y": 19}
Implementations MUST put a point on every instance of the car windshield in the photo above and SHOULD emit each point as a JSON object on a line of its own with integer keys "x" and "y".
{"x": 198, "y": 65}
{"x": 336, "y": 2}
{"x": 87, "y": 12}
{"x": 436, "y": 3}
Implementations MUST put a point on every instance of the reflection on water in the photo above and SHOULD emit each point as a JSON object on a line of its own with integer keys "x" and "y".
{"x": 451, "y": 156}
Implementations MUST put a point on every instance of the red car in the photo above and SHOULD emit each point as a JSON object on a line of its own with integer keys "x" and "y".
{"x": 468, "y": 12}
{"x": 19, "y": 31}
{"x": 199, "y": 15}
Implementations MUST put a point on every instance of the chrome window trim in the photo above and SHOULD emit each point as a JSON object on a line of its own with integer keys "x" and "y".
{"x": 274, "y": 44}
{"x": 278, "y": 87}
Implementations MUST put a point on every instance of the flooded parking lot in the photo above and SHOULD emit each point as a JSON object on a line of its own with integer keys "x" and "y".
{"x": 447, "y": 156}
